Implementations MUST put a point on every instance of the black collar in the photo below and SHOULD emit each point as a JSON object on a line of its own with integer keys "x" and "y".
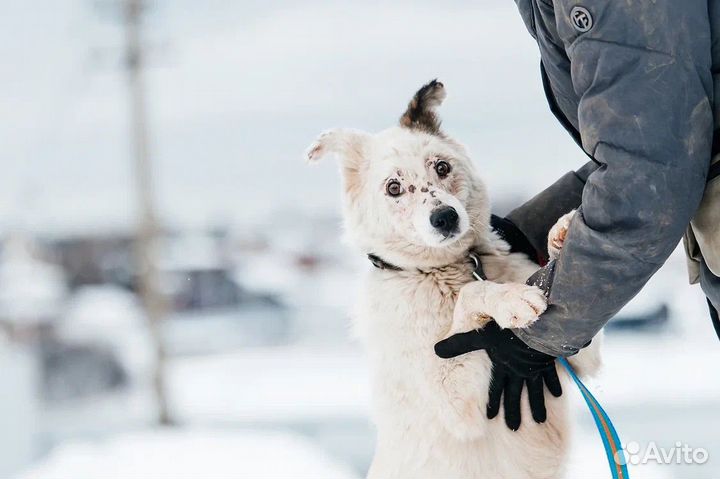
{"x": 380, "y": 263}
{"x": 478, "y": 272}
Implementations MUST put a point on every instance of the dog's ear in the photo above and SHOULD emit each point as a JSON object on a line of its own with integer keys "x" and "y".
{"x": 350, "y": 146}
{"x": 420, "y": 113}
{"x": 347, "y": 144}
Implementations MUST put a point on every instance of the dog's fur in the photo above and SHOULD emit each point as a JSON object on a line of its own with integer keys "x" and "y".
{"x": 431, "y": 412}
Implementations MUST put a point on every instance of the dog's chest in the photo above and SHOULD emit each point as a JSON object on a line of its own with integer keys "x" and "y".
{"x": 418, "y": 306}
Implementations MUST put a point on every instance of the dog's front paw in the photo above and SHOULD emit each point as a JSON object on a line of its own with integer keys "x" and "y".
{"x": 556, "y": 237}
{"x": 470, "y": 311}
{"x": 511, "y": 305}
{"x": 516, "y": 305}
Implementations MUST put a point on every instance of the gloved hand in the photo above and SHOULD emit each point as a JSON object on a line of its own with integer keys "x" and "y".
{"x": 514, "y": 365}
{"x": 511, "y": 234}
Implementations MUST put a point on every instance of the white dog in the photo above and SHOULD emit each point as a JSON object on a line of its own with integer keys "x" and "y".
{"x": 412, "y": 200}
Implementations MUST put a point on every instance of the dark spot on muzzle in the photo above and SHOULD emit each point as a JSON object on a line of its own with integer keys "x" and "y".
{"x": 445, "y": 219}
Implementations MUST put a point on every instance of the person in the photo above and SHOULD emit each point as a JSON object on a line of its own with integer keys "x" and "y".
{"x": 634, "y": 84}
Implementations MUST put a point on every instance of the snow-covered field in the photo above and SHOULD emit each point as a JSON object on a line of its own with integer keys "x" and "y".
{"x": 291, "y": 408}
{"x": 191, "y": 454}
{"x": 302, "y": 410}
{"x": 650, "y": 387}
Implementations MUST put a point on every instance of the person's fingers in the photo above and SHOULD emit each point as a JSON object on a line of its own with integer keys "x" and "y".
{"x": 552, "y": 381}
{"x": 536, "y": 396}
{"x": 497, "y": 384}
{"x": 460, "y": 344}
{"x": 511, "y": 402}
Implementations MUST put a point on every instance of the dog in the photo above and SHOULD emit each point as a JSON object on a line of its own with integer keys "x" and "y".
{"x": 413, "y": 201}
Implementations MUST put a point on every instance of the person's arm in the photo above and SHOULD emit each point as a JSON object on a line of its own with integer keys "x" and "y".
{"x": 643, "y": 75}
{"x": 534, "y": 218}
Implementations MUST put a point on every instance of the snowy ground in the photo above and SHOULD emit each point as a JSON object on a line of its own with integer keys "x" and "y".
{"x": 191, "y": 454}
{"x": 647, "y": 386}
{"x": 203, "y": 453}
{"x": 305, "y": 407}
{"x": 243, "y": 409}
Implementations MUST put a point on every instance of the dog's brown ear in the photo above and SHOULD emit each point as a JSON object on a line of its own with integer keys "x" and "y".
{"x": 420, "y": 113}
{"x": 350, "y": 146}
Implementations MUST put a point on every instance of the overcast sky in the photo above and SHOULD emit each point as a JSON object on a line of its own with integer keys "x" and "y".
{"x": 238, "y": 90}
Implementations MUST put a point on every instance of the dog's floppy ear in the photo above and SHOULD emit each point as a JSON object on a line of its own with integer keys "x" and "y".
{"x": 420, "y": 113}
{"x": 349, "y": 145}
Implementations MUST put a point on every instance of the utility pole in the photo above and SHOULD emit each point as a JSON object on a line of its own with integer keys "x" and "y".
{"x": 147, "y": 233}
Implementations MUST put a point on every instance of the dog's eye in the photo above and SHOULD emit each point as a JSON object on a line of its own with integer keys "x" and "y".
{"x": 394, "y": 188}
{"x": 442, "y": 168}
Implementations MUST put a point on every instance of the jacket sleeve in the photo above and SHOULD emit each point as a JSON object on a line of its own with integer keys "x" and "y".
{"x": 535, "y": 217}
{"x": 643, "y": 77}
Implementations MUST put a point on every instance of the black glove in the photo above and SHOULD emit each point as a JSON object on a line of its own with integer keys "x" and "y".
{"x": 514, "y": 364}
{"x": 512, "y": 235}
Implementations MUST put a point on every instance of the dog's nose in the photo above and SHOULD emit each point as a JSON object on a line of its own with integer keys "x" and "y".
{"x": 444, "y": 219}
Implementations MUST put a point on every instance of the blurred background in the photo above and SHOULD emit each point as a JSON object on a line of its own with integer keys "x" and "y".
{"x": 174, "y": 292}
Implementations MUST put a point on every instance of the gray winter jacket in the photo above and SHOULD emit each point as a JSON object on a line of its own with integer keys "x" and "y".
{"x": 633, "y": 82}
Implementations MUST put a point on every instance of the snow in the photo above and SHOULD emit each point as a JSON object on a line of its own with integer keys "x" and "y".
{"x": 666, "y": 370}
{"x": 110, "y": 316}
{"x": 290, "y": 382}
{"x": 18, "y": 414}
{"x": 102, "y": 309}
{"x": 270, "y": 384}
{"x": 644, "y": 388}
{"x": 652, "y": 386}
{"x": 31, "y": 290}
{"x": 190, "y": 454}
{"x": 226, "y": 399}
{"x": 587, "y": 460}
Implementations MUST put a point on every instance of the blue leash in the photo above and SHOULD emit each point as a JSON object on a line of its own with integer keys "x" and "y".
{"x": 604, "y": 425}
